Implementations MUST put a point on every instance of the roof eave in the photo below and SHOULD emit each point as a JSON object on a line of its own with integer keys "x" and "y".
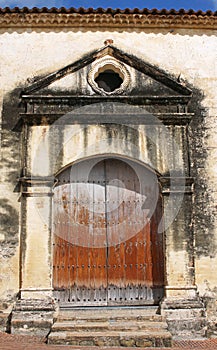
{"x": 106, "y": 18}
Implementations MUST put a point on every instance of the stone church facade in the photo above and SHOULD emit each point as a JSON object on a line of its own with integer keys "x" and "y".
{"x": 108, "y": 158}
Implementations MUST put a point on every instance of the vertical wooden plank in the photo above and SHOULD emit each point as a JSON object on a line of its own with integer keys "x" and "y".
{"x": 157, "y": 247}
{"x": 141, "y": 228}
{"x": 131, "y": 251}
{"x": 115, "y": 278}
{"x": 55, "y": 239}
{"x": 99, "y": 249}
{"x": 82, "y": 244}
{"x": 82, "y": 247}
{"x": 72, "y": 242}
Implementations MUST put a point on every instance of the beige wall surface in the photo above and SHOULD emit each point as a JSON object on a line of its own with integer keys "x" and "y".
{"x": 188, "y": 54}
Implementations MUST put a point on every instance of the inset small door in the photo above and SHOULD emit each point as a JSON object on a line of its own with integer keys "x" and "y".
{"x": 106, "y": 246}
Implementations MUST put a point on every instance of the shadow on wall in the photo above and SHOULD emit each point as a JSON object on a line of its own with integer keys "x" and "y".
{"x": 204, "y": 211}
{"x": 9, "y": 225}
{"x": 10, "y": 165}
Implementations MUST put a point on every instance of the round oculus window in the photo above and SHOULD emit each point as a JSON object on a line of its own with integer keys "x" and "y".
{"x": 109, "y": 77}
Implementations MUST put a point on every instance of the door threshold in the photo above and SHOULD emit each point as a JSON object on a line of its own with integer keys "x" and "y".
{"x": 105, "y": 307}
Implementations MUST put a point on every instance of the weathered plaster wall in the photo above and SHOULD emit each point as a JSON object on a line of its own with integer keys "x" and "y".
{"x": 26, "y": 55}
{"x": 52, "y": 149}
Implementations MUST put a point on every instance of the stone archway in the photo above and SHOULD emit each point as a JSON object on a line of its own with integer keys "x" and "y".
{"x": 107, "y": 249}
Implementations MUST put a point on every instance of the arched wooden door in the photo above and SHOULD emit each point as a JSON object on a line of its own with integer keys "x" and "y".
{"x": 106, "y": 248}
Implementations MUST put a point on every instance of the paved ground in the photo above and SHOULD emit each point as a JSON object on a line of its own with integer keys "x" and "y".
{"x": 18, "y": 342}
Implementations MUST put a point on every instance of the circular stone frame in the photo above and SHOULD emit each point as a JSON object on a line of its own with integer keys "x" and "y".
{"x": 106, "y": 64}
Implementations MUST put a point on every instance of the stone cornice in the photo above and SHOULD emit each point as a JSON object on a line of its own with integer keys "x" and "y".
{"x": 107, "y": 19}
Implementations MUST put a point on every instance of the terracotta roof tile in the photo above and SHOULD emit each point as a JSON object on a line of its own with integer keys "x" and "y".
{"x": 105, "y": 18}
{"x": 108, "y": 10}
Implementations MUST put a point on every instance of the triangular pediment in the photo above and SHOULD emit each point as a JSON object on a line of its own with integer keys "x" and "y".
{"x": 147, "y": 79}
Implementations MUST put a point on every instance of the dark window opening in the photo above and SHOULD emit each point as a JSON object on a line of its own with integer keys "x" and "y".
{"x": 109, "y": 80}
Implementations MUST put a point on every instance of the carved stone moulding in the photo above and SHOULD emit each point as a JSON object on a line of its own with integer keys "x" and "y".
{"x": 109, "y": 64}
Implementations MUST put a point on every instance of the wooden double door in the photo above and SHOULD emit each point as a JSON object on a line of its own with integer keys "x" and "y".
{"x": 106, "y": 246}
